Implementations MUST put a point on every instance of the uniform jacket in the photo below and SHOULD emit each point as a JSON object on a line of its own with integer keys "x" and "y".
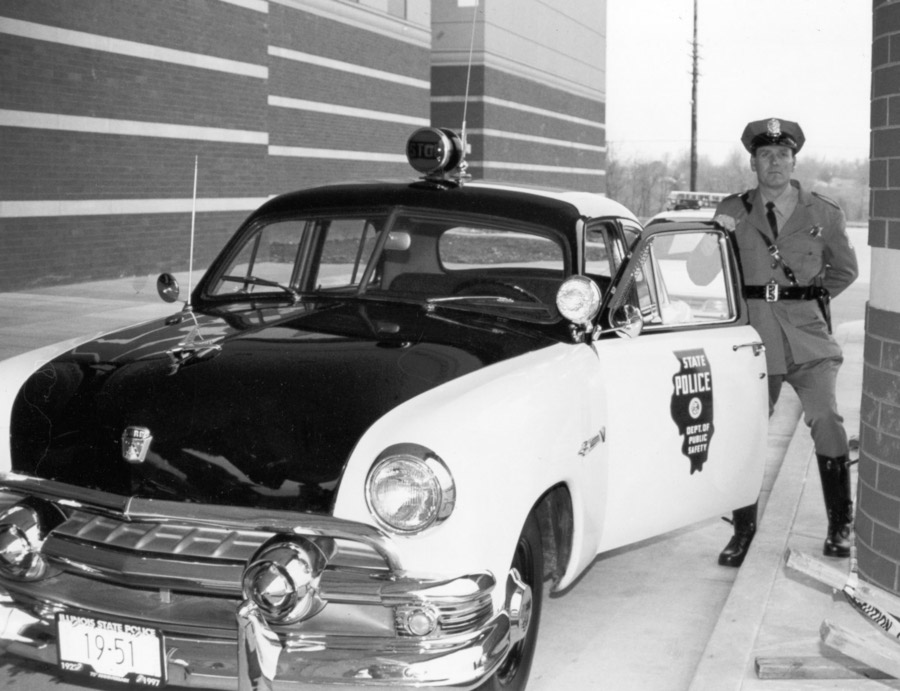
{"x": 815, "y": 245}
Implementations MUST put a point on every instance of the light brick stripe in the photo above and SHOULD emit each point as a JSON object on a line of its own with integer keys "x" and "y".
{"x": 319, "y": 61}
{"x": 125, "y": 207}
{"x": 81, "y": 39}
{"x": 347, "y": 111}
{"x": 135, "y": 128}
{"x": 490, "y": 100}
{"x": 335, "y": 154}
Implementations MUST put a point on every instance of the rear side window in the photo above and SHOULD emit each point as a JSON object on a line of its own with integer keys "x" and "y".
{"x": 469, "y": 248}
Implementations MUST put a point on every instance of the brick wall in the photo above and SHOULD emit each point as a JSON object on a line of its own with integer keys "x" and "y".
{"x": 878, "y": 510}
{"x": 106, "y": 104}
{"x": 536, "y": 109}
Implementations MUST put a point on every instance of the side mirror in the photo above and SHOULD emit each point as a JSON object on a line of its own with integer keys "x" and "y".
{"x": 627, "y": 321}
{"x": 167, "y": 287}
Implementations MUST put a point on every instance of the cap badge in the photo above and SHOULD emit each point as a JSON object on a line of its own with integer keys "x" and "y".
{"x": 773, "y": 127}
{"x": 136, "y": 444}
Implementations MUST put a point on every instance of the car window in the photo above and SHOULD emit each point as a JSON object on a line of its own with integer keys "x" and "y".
{"x": 601, "y": 252}
{"x": 465, "y": 247}
{"x": 319, "y": 252}
{"x": 667, "y": 294}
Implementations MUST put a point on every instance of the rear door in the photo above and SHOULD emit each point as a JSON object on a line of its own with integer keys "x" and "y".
{"x": 684, "y": 403}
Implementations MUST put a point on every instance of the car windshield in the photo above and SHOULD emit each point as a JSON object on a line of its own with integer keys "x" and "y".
{"x": 470, "y": 264}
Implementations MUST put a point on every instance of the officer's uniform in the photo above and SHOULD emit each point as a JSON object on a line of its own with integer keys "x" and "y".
{"x": 784, "y": 275}
{"x": 813, "y": 244}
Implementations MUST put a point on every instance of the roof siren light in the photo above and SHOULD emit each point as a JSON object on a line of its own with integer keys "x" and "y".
{"x": 434, "y": 151}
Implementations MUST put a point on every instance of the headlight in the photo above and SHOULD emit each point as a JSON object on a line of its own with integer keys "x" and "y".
{"x": 23, "y": 529}
{"x": 409, "y": 489}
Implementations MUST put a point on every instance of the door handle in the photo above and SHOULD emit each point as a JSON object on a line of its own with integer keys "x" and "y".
{"x": 758, "y": 347}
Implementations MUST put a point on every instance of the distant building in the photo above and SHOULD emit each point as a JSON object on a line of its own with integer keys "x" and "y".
{"x": 105, "y": 105}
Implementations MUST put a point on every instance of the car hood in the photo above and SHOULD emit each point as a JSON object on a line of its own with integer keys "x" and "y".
{"x": 251, "y": 407}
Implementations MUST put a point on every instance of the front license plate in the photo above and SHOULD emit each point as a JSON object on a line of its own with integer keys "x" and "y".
{"x": 103, "y": 649}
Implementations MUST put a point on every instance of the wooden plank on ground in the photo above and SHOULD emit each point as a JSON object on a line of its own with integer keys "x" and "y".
{"x": 838, "y": 579}
{"x": 815, "y": 667}
{"x": 873, "y": 649}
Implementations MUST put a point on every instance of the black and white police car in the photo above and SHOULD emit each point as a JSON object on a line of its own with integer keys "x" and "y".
{"x": 388, "y": 418}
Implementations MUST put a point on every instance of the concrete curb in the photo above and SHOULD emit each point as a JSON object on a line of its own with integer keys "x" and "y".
{"x": 728, "y": 657}
{"x": 728, "y": 661}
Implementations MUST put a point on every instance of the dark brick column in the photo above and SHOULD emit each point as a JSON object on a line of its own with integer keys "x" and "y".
{"x": 878, "y": 511}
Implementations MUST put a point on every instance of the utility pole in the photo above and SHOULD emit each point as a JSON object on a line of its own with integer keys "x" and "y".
{"x": 695, "y": 54}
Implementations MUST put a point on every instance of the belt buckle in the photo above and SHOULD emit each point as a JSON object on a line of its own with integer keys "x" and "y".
{"x": 772, "y": 292}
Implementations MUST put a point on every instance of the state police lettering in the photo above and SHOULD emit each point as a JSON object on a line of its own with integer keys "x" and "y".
{"x": 692, "y": 405}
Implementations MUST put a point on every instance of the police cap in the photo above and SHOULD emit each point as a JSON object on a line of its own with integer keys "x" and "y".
{"x": 772, "y": 132}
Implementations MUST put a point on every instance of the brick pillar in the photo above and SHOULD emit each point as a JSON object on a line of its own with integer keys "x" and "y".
{"x": 878, "y": 510}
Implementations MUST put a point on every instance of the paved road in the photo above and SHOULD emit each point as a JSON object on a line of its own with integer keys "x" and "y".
{"x": 639, "y": 618}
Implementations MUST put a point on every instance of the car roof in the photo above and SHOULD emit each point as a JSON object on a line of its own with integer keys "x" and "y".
{"x": 682, "y": 215}
{"x": 558, "y": 209}
{"x": 591, "y": 204}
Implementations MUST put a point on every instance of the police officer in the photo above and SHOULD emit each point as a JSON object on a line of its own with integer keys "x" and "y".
{"x": 795, "y": 255}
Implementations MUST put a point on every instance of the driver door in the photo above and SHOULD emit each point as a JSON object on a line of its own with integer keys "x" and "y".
{"x": 684, "y": 403}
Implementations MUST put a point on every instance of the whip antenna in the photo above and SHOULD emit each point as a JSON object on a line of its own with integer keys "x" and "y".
{"x": 465, "y": 146}
{"x": 193, "y": 219}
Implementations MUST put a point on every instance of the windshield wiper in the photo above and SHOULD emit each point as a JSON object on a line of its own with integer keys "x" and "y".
{"x": 469, "y": 298}
{"x": 257, "y": 281}
{"x": 468, "y": 302}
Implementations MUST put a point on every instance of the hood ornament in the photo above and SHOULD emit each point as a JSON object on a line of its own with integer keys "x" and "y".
{"x": 136, "y": 444}
{"x": 193, "y": 345}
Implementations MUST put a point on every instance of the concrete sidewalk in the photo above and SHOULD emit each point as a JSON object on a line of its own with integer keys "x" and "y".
{"x": 772, "y": 611}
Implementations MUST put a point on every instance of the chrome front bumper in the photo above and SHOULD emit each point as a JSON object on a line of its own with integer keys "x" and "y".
{"x": 261, "y": 660}
{"x": 177, "y": 569}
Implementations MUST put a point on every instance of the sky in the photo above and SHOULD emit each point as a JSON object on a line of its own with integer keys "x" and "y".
{"x": 802, "y": 60}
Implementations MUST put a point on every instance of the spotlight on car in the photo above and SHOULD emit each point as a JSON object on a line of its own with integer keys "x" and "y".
{"x": 283, "y": 578}
{"x": 578, "y": 300}
{"x": 410, "y": 489}
{"x": 23, "y": 529}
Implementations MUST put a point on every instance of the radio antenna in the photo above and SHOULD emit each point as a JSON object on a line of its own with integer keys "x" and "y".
{"x": 465, "y": 145}
{"x": 193, "y": 220}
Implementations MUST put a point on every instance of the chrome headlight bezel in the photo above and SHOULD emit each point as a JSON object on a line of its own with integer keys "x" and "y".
{"x": 409, "y": 489}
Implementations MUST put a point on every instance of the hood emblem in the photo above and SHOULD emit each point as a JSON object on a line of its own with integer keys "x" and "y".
{"x": 136, "y": 444}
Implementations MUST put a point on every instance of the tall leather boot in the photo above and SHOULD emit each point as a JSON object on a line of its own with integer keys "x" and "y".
{"x": 744, "y": 521}
{"x": 835, "y": 475}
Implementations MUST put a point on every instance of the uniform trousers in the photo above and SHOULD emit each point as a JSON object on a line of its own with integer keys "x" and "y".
{"x": 815, "y": 383}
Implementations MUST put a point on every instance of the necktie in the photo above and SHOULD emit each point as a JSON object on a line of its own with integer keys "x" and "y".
{"x": 770, "y": 217}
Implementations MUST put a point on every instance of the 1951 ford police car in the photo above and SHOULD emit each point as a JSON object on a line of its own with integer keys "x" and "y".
{"x": 386, "y": 417}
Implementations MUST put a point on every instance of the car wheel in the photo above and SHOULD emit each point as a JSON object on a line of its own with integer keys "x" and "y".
{"x": 528, "y": 566}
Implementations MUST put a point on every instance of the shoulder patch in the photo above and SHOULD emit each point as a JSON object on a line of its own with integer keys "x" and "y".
{"x": 827, "y": 200}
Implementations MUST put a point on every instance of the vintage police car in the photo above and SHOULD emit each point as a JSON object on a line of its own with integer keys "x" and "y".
{"x": 385, "y": 417}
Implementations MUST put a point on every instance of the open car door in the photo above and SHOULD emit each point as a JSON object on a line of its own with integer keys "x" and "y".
{"x": 685, "y": 401}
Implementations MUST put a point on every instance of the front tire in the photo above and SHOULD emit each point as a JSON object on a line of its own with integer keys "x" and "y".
{"x": 528, "y": 561}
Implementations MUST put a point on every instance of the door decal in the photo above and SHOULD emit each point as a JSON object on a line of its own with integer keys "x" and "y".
{"x": 692, "y": 405}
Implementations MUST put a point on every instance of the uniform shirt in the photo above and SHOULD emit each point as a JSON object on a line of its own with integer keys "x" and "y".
{"x": 785, "y": 203}
{"x": 813, "y": 242}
